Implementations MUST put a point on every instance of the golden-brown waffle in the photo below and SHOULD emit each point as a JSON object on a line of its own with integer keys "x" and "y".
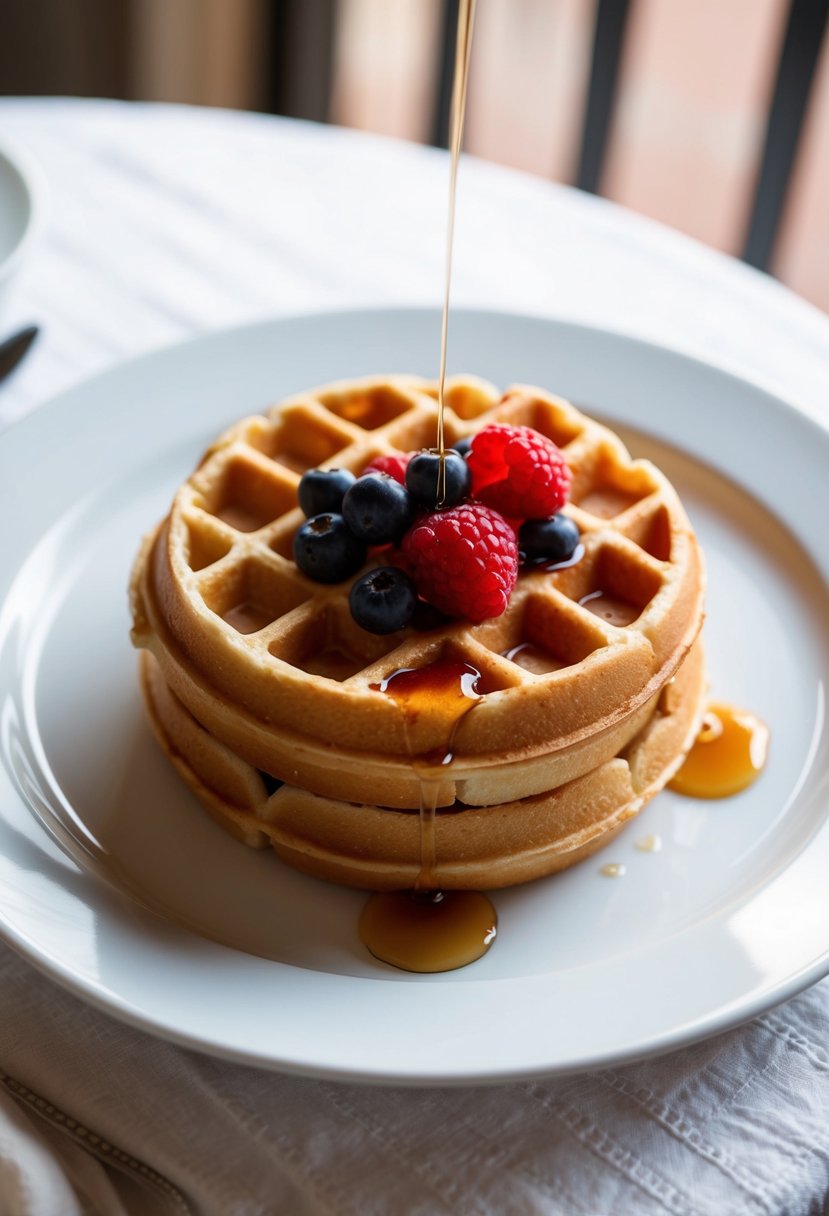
{"x": 475, "y": 847}
{"x": 273, "y": 665}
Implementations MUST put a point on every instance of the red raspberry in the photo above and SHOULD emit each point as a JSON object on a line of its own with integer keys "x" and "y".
{"x": 464, "y": 561}
{"x": 394, "y": 465}
{"x": 518, "y": 471}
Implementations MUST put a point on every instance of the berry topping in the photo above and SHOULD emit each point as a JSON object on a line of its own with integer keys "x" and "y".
{"x": 463, "y": 560}
{"x": 322, "y": 490}
{"x": 423, "y": 478}
{"x": 462, "y": 446}
{"x": 377, "y": 509}
{"x": 553, "y": 540}
{"x": 518, "y": 471}
{"x": 327, "y": 550}
{"x": 383, "y": 600}
{"x": 394, "y": 465}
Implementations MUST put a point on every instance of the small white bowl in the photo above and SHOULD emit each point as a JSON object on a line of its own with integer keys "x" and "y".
{"x": 20, "y": 207}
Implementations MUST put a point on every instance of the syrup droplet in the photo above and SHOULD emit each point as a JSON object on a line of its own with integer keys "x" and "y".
{"x": 610, "y": 608}
{"x": 650, "y": 844}
{"x": 614, "y": 869}
{"x": 729, "y": 753}
{"x": 548, "y": 566}
{"x": 436, "y": 932}
{"x": 450, "y": 689}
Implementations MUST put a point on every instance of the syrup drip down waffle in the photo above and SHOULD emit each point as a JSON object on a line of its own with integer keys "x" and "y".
{"x": 252, "y": 668}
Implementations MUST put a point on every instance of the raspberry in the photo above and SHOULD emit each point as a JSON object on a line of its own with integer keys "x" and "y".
{"x": 395, "y": 465}
{"x": 464, "y": 561}
{"x": 518, "y": 471}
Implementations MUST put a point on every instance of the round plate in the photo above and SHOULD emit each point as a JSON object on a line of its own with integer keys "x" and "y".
{"x": 116, "y": 883}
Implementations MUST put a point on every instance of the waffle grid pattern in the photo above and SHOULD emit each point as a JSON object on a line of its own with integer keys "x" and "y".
{"x": 273, "y": 664}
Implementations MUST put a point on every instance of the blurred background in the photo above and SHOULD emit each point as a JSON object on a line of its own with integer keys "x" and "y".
{"x": 711, "y": 116}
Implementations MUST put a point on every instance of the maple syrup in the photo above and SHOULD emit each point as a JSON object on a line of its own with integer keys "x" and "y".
{"x": 427, "y": 929}
{"x": 532, "y": 658}
{"x": 611, "y": 609}
{"x": 549, "y": 566}
{"x": 728, "y": 754}
{"x": 435, "y": 931}
{"x": 463, "y": 46}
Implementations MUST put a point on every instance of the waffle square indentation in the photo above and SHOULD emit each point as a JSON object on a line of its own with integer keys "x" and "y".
{"x": 605, "y": 488}
{"x": 465, "y": 400}
{"x": 549, "y": 636}
{"x": 249, "y": 494}
{"x": 651, "y": 531}
{"x": 612, "y": 584}
{"x": 302, "y": 438}
{"x": 206, "y": 543}
{"x": 251, "y": 595}
{"x": 327, "y": 642}
{"x": 367, "y": 407}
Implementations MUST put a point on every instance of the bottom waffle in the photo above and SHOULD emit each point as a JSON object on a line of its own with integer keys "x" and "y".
{"x": 476, "y": 847}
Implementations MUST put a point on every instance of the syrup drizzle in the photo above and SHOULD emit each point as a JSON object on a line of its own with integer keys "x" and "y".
{"x": 463, "y": 46}
{"x": 729, "y": 753}
{"x": 427, "y": 929}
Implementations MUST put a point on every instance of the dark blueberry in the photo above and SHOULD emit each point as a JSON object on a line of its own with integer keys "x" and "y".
{"x": 383, "y": 600}
{"x": 322, "y": 490}
{"x": 463, "y": 446}
{"x": 422, "y": 476}
{"x": 553, "y": 540}
{"x": 377, "y": 509}
{"x": 327, "y": 550}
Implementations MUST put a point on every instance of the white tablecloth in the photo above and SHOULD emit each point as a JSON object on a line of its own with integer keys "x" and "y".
{"x": 163, "y": 223}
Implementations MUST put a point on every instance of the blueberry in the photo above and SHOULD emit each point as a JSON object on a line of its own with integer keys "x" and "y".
{"x": 463, "y": 446}
{"x": 422, "y": 476}
{"x": 383, "y": 600}
{"x": 323, "y": 490}
{"x": 553, "y": 540}
{"x": 327, "y": 550}
{"x": 377, "y": 509}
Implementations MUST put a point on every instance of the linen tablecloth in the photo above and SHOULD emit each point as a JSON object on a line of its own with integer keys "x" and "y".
{"x": 164, "y": 222}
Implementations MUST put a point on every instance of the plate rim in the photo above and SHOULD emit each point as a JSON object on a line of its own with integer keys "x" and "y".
{"x": 108, "y": 1002}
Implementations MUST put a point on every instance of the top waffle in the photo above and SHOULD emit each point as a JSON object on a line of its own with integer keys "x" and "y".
{"x": 273, "y": 664}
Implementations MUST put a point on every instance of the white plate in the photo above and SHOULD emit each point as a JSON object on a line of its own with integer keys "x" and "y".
{"x": 255, "y": 962}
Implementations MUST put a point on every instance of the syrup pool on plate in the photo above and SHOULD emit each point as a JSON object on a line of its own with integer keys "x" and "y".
{"x": 427, "y": 929}
{"x": 728, "y": 754}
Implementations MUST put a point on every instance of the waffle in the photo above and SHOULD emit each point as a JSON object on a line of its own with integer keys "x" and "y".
{"x": 272, "y": 665}
{"x": 475, "y": 847}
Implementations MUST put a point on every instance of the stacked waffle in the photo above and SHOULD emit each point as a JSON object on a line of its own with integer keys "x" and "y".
{"x": 265, "y": 693}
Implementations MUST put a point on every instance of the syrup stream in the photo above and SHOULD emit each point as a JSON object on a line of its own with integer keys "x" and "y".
{"x": 463, "y": 45}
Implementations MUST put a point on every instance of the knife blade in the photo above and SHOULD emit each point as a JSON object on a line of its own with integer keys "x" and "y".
{"x": 13, "y": 349}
